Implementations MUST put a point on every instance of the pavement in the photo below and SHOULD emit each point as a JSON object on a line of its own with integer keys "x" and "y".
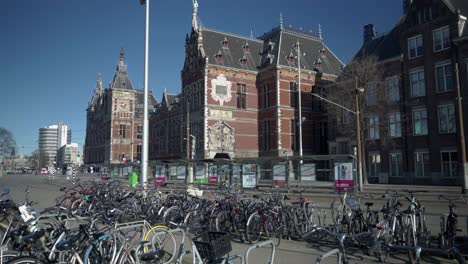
{"x": 44, "y": 191}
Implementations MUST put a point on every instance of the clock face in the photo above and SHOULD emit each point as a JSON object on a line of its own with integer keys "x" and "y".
{"x": 123, "y": 106}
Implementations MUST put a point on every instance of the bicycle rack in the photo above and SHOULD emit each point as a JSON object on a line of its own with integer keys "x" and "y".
{"x": 330, "y": 253}
{"x": 259, "y": 245}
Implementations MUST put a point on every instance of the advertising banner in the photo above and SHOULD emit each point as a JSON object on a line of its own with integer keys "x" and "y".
{"x": 249, "y": 175}
{"x": 160, "y": 175}
{"x": 181, "y": 171}
{"x": 308, "y": 172}
{"x": 344, "y": 176}
{"x": 279, "y": 174}
{"x": 212, "y": 174}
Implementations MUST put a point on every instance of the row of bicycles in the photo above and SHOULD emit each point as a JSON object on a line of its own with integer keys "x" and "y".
{"x": 110, "y": 222}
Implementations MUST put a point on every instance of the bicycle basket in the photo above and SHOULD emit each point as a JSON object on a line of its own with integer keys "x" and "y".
{"x": 213, "y": 245}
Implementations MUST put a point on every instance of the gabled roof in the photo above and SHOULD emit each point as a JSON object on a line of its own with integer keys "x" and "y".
{"x": 232, "y": 55}
{"x": 272, "y": 48}
{"x": 384, "y": 47}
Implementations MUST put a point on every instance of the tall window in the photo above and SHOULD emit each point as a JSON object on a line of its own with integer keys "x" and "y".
{"x": 266, "y": 135}
{"x": 394, "y": 120}
{"x": 447, "y": 119}
{"x": 422, "y": 164}
{"x": 444, "y": 77}
{"x": 139, "y": 131}
{"x": 241, "y": 96}
{"x": 415, "y": 47}
{"x": 396, "y": 167}
{"x": 393, "y": 89}
{"x": 418, "y": 86}
{"x": 293, "y": 134}
{"x": 371, "y": 94}
{"x": 441, "y": 37}
{"x": 138, "y": 152}
{"x": 266, "y": 96}
{"x": 122, "y": 131}
{"x": 374, "y": 165}
{"x": 293, "y": 94}
{"x": 420, "y": 122}
{"x": 449, "y": 163}
{"x": 374, "y": 127}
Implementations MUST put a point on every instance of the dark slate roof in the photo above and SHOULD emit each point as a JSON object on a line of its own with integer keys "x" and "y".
{"x": 152, "y": 102}
{"x": 272, "y": 48}
{"x": 311, "y": 46}
{"x": 231, "y": 56}
{"x": 384, "y": 47}
{"x": 121, "y": 80}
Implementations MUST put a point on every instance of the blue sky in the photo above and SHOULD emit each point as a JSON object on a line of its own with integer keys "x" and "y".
{"x": 54, "y": 49}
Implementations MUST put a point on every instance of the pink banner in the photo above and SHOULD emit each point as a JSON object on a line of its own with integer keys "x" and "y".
{"x": 213, "y": 179}
{"x": 160, "y": 181}
{"x": 344, "y": 185}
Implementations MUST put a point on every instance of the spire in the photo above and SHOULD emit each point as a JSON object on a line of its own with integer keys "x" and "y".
{"x": 99, "y": 83}
{"x": 281, "y": 20}
{"x": 194, "y": 15}
{"x": 320, "y": 32}
{"x": 251, "y": 33}
{"x": 122, "y": 55}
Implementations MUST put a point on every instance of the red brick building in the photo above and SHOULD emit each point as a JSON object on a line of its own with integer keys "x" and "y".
{"x": 418, "y": 58}
{"x": 241, "y": 96}
{"x": 114, "y": 119}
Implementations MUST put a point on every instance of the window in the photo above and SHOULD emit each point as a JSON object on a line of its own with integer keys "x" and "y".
{"x": 420, "y": 122}
{"x": 245, "y": 47}
{"x": 395, "y": 124}
{"x": 422, "y": 163}
{"x": 444, "y": 77}
{"x": 447, "y": 119}
{"x": 243, "y": 60}
{"x": 138, "y": 157}
{"x": 225, "y": 43}
{"x": 241, "y": 96}
{"x": 425, "y": 15}
{"x": 374, "y": 165}
{"x": 418, "y": 86}
{"x": 219, "y": 56}
{"x": 441, "y": 38}
{"x": 396, "y": 167}
{"x": 122, "y": 131}
{"x": 371, "y": 94}
{"x": 343, "y": 148}
{"x": 266, "y": 135}
{"x": 415, "y": 46}
{"x": 293, "y": 134}
{"x": 374, "y": 127}
{"x": 266, "y": 96}
{"x": 449, "y": 163}
{"x": 393, "y": 89}
{"x": 293, "y": 94}
{"x": 139, "y": 132}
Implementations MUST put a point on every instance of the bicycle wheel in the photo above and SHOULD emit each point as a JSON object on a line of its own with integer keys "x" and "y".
{"x": 254, "y": 228}
{"x": 411, "y": 241}
{"x": 101, "y": 250}
{"x": 7, "y": 256}
{"x": 337, "y": 211}
{"x": 274, "y": 233}
{"x": 162, "y": 239}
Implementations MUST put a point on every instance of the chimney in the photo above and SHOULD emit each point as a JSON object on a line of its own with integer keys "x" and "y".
{"x": 369, "y": 33}
{"x": 406, "y": 6}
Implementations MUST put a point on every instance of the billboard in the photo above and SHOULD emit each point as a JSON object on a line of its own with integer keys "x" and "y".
{"x": 344, "y": 176}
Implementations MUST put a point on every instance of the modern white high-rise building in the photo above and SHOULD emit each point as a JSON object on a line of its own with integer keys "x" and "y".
{"x": 52, "y": 138}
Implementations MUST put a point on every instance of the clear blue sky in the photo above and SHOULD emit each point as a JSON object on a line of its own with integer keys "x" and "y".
{"x": 52, "y": 50}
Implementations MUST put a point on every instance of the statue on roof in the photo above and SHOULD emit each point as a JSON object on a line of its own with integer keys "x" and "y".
{"x": 194, "y": 15}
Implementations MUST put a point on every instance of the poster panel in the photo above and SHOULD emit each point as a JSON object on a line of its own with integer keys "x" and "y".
{"x": 308, "y": 172}
{"x": 160, "y": 175}
{"x": 249, "y": 175}
{"x": 212, "y": 174}
{"x": 279, "y": 174}
{"x": 200, "y": 173}
{"x": 344, "y": 176}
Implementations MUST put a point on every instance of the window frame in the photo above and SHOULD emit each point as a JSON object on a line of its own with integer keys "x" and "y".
{"x": 452, "y": 174}
{"x": 418, "y": 71}
{"x": 399, "y": 166}
{"x": 436, "y": 75}
{"x": 426, "y": 119}
{"x": 448, "y": 115}
{"x": 374, "y": 129}
{"x": 441, "y": 31}
{"x": 396, "y": 122}
{"x": 122, "y": 130}
{"x": 293, "y": 94}
{"x": 241, "y": 96}
{"x": 374, "y": 165}
{"x": 424, "y": 172}
{"x": 397, "y": 88}
{"x": 415, "y": 38}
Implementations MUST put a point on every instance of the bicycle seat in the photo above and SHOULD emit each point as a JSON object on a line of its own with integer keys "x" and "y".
{"x": 368, "y": 204}
{"x": 18, "y": 231}
{"x": 152, "y": 255}
{"x": 32, "y": 238}
{"x": 67, "y": 244}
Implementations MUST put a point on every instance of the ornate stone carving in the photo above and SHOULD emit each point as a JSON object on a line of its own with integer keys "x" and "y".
{"x": 221, "y": 137}
{"x": 221, "y": 89}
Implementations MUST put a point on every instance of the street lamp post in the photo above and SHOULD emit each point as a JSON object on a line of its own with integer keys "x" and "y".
{"x": 297, "y": 45}
{"x": 358, "y": 136}
{"x": 144, "y": 159}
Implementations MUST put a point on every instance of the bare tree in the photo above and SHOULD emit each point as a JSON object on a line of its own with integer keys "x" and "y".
{"x": 7, "y": 146}
{"x": 373, "y": 104}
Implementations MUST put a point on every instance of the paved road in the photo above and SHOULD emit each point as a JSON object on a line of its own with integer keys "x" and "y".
{"x": 44, "y": 191}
